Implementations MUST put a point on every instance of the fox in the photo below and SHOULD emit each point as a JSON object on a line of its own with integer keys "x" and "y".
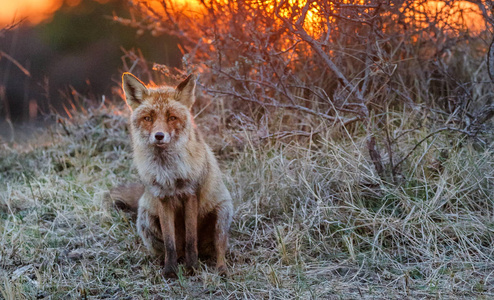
{"x": 184, "y": 209}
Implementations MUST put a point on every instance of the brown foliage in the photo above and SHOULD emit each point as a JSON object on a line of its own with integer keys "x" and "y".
{"x": 336, "y": 62}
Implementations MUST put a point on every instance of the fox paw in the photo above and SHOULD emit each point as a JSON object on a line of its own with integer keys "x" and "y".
{"x": 222, "y": 270}
{"x": 192, "y": 268}
{"x": 170, "y": 272}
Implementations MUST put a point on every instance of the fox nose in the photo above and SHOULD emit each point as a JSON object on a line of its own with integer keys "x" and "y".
{"x": 159, "y": 136}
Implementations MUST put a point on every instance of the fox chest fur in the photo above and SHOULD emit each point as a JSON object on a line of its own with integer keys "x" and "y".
{"x": 167, "y": 174}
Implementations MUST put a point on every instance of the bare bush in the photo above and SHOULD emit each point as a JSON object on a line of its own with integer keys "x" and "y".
{"x": 332, "y": 62}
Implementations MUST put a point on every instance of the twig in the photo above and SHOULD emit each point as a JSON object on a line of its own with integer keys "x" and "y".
{"x": 485, "y": 114}
{"x": 11, "y": 26}
{"x": 390, "y": 151}
{"x": 375, "y": 156}
{"x": 15, "y": 62}
{"x": 428, "y": 136}
{"x": 287, "y": 106}
{"x": 284, "y": 134}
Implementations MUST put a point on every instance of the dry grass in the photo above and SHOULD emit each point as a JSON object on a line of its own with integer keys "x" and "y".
{"x": 313, "y": 219}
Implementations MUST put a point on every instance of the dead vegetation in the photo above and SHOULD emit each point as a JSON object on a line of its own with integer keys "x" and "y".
{"x": 312, "y": 219}
{"x": 373, "y": 183}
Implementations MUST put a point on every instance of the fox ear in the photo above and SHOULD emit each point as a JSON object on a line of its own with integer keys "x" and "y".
{"x": 134, "y": 90}
{"x": 186, "y": 91}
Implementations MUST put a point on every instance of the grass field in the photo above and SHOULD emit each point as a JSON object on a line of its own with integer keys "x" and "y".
{"x": 312, "y": 218}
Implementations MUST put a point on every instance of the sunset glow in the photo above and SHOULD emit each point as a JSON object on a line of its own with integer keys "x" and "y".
{"x": 35, "y": 11}
{"x": 32, "y": 11}
{"x": 463, "y": 14}
{"x": 189, "y": 6}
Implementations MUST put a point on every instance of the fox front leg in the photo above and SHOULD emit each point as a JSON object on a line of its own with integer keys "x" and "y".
{"x": 167, "y": 223}
{"x": 191, "y": 216}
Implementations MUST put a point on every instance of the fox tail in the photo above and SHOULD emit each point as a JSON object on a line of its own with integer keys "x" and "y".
{"x": 125, "y": 197}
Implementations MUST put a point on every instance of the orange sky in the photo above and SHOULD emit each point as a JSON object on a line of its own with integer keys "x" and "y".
{"x": 471, "y": 14}
{"x": 36, "y": 11}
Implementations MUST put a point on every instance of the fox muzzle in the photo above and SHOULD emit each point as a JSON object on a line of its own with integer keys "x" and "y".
{"x": 160, "y": 138}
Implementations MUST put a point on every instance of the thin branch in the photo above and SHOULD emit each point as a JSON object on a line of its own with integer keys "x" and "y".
{"x": 15, "y": 62}
{"x": 427, "y": 137}
{"x": 287, "y": 106}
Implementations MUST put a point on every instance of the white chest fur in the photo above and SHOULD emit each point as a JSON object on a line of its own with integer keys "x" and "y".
{"x": 166, "y": 174}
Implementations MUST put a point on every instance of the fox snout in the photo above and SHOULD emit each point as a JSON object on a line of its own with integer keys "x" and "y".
{"x": 160, "y": 138}
{"x": 159, "y": 135}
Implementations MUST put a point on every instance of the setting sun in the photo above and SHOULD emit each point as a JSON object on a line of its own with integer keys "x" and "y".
{"x": 461, "y": 14}
{"x": 34, "y": 11}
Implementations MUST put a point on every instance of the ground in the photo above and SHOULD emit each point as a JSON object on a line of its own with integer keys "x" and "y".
{"x": 311, "y": 221}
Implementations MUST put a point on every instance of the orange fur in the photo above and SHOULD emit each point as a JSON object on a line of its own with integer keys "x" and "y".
{"x": 184, "y": 207}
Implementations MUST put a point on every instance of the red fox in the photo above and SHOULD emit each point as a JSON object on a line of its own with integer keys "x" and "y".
{"x": 183, "y": 206}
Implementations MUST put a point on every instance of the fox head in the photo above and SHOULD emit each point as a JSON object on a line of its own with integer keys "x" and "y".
{"x": 160, "y": 116}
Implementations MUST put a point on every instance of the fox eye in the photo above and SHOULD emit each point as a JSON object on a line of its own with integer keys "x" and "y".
{"x": 147, "y": 118}
{"x": 172, "y": 118}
